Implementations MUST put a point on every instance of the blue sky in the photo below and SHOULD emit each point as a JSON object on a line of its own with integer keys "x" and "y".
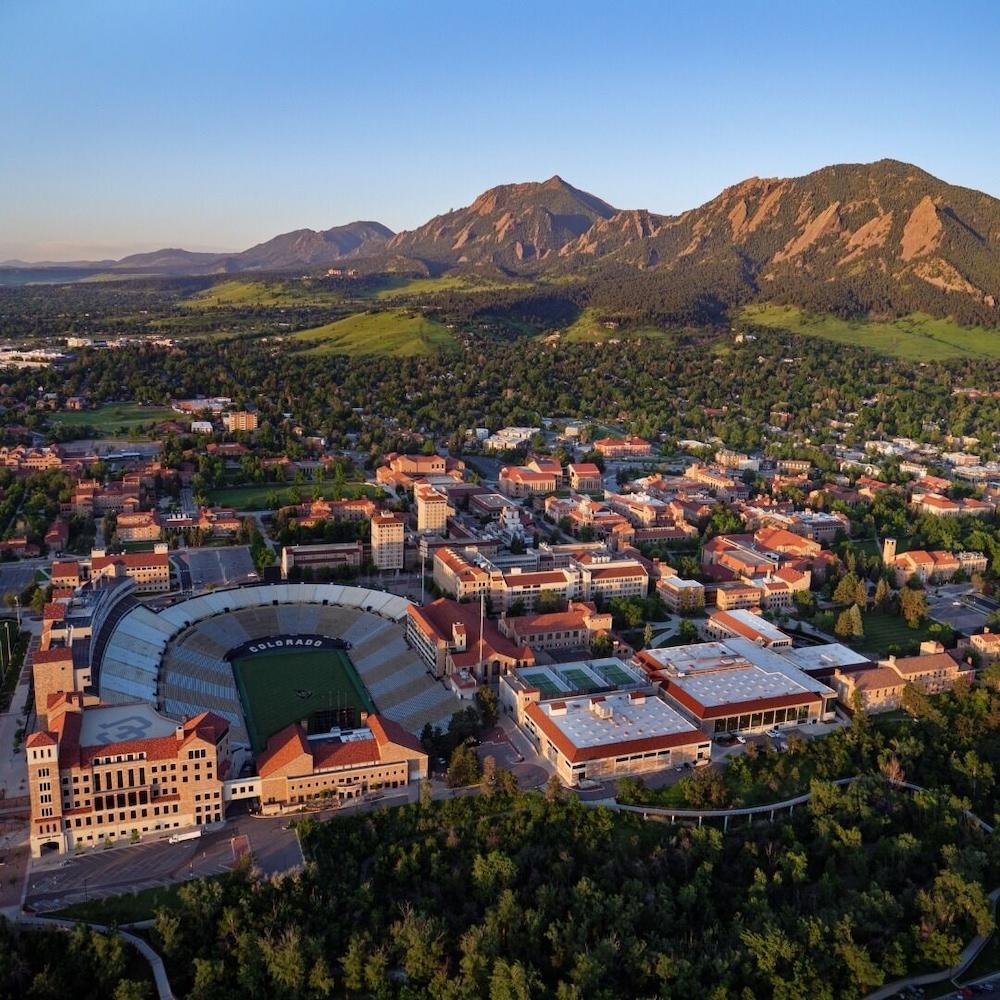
{"x": 216, "y": 124}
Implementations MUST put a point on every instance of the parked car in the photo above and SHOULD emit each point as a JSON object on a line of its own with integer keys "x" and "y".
{"x": 774, "y": 734}
{"x": 738, "y": 737}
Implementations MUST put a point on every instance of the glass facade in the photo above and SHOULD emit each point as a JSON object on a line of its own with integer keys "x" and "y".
{"x": 759, "y": 720}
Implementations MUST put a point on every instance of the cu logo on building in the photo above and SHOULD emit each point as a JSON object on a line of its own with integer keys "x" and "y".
{"x": 132, "y": 727}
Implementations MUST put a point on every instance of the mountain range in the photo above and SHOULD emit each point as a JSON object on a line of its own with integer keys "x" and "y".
{"x": 858, "y": 235}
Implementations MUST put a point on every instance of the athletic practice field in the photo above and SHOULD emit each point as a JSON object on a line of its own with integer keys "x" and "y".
{"x": 284, "y": 686}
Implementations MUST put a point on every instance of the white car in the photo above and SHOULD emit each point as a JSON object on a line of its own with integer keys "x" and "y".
{"x": 774, "y": 734}
{"x": 739, "y": 738}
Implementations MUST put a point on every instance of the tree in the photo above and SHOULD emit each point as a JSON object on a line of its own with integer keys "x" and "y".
{"x": 849, "y": 623}
{"x": 486, "y": 700}
{"x": 882, "y": 594}
{"x": 463, "y": 769}
{"x": 850, "y": 590}
{"x": 687, "y": 632}
{"x": 647, "y": 635}
{"x": 601, "y": 645}
{"x": 912, "y": 606}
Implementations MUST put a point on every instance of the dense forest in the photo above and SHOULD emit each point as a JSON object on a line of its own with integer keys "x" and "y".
{"x": 521, "y": 896}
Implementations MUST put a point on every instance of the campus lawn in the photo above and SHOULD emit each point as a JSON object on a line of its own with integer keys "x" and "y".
{"x": 284, "y": 686}
{"x": 883, "y": 631}
{"x": 113, "y": 416}
{"x": 255, "y": 497}
{"x": 917, "y": 337}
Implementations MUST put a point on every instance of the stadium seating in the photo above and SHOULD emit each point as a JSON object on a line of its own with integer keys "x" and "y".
{"x": 176, "y": 658}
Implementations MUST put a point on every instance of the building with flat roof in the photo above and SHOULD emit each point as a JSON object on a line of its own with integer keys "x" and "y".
{"x": 107, "y": 772}
{"x": 598, "y": 718}
{"x": 737, "y": 686}
{"x": 388, "y": 533}
{"x": 746, "y": 625}
{"x": 433, "y": 509}
{"x": 297, "y": 559}
{"x": 683, "y": 597}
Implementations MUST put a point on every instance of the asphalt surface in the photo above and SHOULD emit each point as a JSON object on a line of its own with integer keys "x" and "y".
{"x": 57, "y": 881}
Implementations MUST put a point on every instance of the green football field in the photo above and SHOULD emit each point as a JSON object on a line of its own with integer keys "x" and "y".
{"x": 285, "y": 686}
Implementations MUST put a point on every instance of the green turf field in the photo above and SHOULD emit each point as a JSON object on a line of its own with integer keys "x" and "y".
{"x": 285, "y": 686}
{"x": 544, "y": 683}
{"x": 113, "y": 416}
{"x": 616, "y": 675}
{"x": 579, "y": 680}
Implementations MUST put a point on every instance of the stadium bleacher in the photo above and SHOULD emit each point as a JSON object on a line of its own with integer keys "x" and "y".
{"x": 176, "y": 658}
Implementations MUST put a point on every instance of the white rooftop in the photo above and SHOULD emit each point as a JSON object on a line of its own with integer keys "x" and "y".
{"x": 749, "y": 620}
{"x": 735, "y": 671}
{"x": 614, "y": 718}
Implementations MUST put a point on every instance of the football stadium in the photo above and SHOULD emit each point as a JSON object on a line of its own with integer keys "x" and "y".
{"x": 267, "y": 655}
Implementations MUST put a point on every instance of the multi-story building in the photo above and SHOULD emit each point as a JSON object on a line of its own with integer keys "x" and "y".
{"x": 742, "y": 624}
{"x": 986, "y": 646}
{"x": 405, "y": 471}
{"x": 576, "y": 627}
{"x": 682, "y": 597}
{"x": 334, "y": 556}
{"x": 388, "y": 536}
{"x": 433, "y": 509}
{"x": 469, "y": 575}
{"x": 240, "y": 420}
{"x": 296, "y": 769}
{"x": 150, "y": 571}
{"x": 115, "y": 772}
{"x": 737, "y": 686}
{"x": 522, "y": 481}
{"x": 585, "y": 477}
{"x": 453, "y": 637}
{"x": 623, "y": 447}
{"x": 140, "y": 526}
{"x": 621, "y": 727}
{"x": 734, "y": 595}
{"x": 880, "y": 688}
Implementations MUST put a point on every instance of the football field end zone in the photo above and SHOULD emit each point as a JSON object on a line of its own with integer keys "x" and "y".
{"x": 270, "y": 681}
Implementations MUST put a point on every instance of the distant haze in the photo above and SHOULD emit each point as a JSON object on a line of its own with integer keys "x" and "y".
{"x": 213, "y": 126}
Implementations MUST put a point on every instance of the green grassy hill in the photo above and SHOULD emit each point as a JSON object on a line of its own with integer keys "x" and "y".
{"x": 394, "y": 332}
{"x": 589, "y": 328}
{"x": 916, "y": 337}
{"x": 260, "y": 293}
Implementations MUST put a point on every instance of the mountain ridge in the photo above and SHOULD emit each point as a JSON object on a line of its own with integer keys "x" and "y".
{"x": 846, "y": 237}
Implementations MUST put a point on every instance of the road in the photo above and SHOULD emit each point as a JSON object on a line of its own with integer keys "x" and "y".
{"x": 57, "y": 881}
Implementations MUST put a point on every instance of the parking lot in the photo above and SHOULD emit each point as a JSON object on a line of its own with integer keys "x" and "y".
{"x": 14, "y": 577}
{"x": 56, "y": 882}
{"x": 955, "y": 605}
{"x": 214, "y": 567}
